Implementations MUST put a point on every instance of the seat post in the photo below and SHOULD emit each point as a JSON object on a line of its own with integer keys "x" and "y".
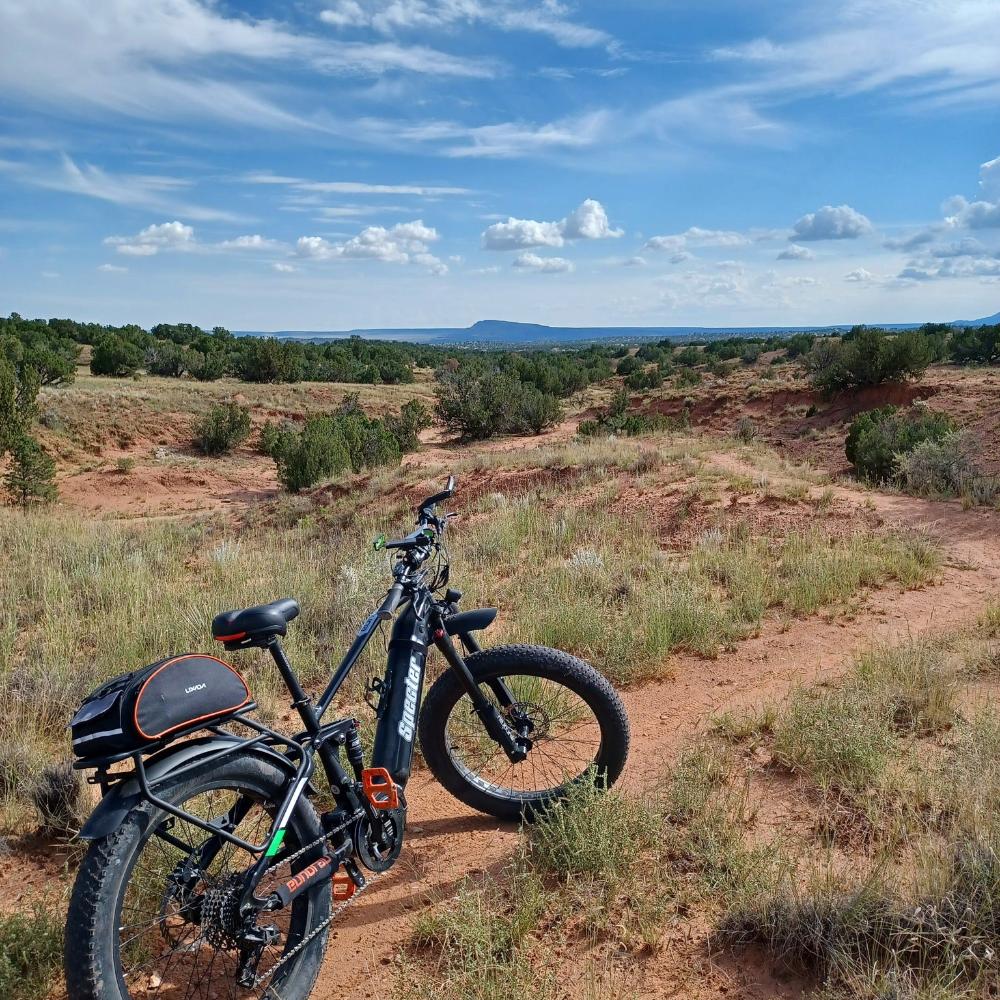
{"x": 301, "y": 700}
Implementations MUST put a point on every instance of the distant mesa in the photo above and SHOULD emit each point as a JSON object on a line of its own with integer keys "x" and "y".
{"x": 499, "y": 332}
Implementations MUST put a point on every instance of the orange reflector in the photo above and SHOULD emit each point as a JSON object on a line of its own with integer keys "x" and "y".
{"x": 379, "y": 788}
{"x": 343, "y": 887}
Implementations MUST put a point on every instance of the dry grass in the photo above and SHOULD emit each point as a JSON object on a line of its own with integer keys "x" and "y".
{"x": 917, "y": 913}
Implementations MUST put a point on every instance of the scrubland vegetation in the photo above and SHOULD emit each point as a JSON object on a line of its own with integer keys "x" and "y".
{"x": 893, "y": 890}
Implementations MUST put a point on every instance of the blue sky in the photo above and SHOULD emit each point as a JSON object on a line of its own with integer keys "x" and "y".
{"x": 327, "y": 164}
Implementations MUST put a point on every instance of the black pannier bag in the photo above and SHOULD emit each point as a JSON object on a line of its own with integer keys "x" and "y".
{"x": 148, "y": 705}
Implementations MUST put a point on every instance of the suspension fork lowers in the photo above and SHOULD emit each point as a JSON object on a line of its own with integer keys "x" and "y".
{"x": 515, "y": 749}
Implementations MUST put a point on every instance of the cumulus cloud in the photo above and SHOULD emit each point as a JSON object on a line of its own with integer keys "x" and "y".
{"x": 986, "y": 268}
{"x": 636, "y": 261}
{"x": 796, "y": 252}
{"x": 151, "y": 240}
{"x": 112, "y": 268}
{"x": 860, "y": 275}
{"x": 840, "y": 222}
{"x": 282, "y": 268}
{"x": 400, "y": 244}
{"x": 589, "y": 221}
{"x": 544, "y": 265}
{"x": 975, "y": 214}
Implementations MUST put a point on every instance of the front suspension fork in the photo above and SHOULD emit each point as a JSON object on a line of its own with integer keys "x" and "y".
{"x": 516, "y": 748}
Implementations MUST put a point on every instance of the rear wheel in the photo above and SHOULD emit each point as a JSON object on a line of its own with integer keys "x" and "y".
{"x": 572, "y": 716}
{"x": 155, "y": 908}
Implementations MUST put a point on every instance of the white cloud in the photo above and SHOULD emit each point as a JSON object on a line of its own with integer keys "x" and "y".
{"x": 587, "y": 222}
{"x": 151, "y": 240}
{"x": 400, "y": 244}
{"x": 976, "y": 214}
{"x": 282, "y": 268}
{"x": 860, "y": 275}
{"x": 796, "y": 252}
{"x": 354, "y": 187}
{"x": 840, "y": 222}
{"x": 677, "y": 243}
{"x": 393, "y": 16}
{"x": 919, "y": 238}
{"x": 989, "y": 176}
{"x": 254, "y": 242}
{"x": 175, "y": 60}
{"x": 636, "y": 261}
{"x": 544, "y": 265}
{"x": 112, "y": 268}
{"x": 515, "y": 234}
{"x": 152, "y": 192}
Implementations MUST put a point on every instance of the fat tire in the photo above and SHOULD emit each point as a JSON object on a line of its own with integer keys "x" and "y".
{"x": 539, "y": 661}
{"x": 89, "y": 951}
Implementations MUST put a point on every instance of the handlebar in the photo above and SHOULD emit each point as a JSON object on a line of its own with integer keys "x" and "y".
{"x": 391, "y": 602}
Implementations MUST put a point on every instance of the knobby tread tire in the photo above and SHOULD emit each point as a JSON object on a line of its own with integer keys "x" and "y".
{"x": 90, "y": 921}
{"x": 540, "y": 661}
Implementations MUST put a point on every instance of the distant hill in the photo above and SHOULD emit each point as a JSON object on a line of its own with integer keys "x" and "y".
{"x": 985, "y": 321}
{"x": 497, "y": 332}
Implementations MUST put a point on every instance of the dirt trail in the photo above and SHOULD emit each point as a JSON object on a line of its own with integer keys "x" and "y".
{"x": 448, "y": 842}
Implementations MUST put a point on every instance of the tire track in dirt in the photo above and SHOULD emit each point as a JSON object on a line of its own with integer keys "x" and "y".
{"x": 448, "y": 842}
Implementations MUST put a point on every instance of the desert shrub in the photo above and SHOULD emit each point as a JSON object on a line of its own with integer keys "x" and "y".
{"x": 477, "y": 404}
{"x": 867, "y": 356}
{"x": 115, "y": 356}
{"x": 205, "y": 366}
{"x": 413, "y": 418}
{"x": 876, "y": 437}
{"x": 947, "y": 467}
{"x": 617, "y": 420}
{"x": 270, "y": 436}
{"x": 746, "y": 430}
{"x": 979, "y": 345}
{"x": 688, "y": 356}
{"x": 166, "y": 359}
{"x": 18, "y": 402}
{"x": 628, "y": 365}
{"x": 31, "y": 477}
{"x": 57, "y": 794}
{"x": 347, "y": 440}
{"x": 223, "y": 428}
{"x": 267, "y": 359}
{"x": 798, "y": 344}
{"x": 30, "y": 954}
{"x": 687, "y": 377}
{"x": 645, "y": 378}
{"x": 315, "y": 452}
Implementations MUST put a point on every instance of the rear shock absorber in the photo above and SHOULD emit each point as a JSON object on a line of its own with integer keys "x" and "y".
{"x": 355, "y": 752}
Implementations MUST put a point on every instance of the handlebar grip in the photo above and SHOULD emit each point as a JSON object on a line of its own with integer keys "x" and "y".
{"x": 391, "y": 602}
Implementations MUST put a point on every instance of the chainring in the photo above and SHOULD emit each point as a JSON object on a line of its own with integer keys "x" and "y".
{"x": 373, "y": 855}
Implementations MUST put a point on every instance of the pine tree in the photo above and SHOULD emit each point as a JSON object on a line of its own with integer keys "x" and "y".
{"x": 31, "y": 476}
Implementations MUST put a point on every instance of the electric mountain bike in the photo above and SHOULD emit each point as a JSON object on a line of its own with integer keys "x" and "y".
{"x": 210, "y": 871}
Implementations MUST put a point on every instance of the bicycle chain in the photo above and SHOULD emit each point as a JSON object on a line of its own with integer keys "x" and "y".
{"x": 316, "y": 931}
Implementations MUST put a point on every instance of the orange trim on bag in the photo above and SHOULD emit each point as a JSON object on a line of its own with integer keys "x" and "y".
{"x": 188, "y": 722}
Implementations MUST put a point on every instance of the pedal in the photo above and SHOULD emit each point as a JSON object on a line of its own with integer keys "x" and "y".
{"x": 379, "y": 788}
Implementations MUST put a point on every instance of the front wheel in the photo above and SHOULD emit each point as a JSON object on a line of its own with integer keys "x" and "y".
{"x": 573, "y": 719}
